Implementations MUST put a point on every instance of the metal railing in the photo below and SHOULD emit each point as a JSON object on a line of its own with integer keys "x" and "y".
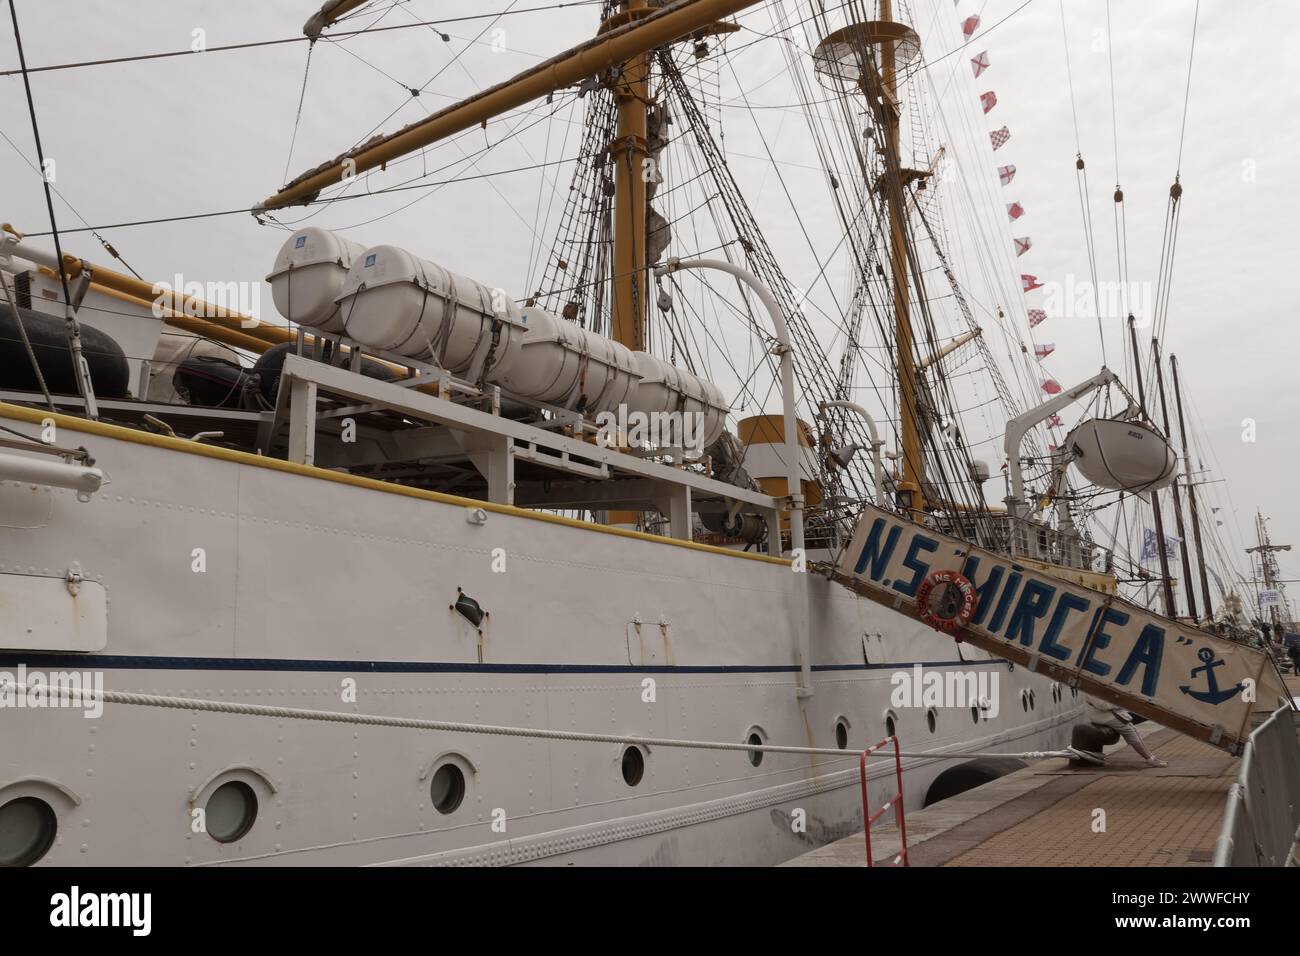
{"x": 896, "y": 801}
{"x": 1261, "y": 822}
{"x": 831, "y": 524}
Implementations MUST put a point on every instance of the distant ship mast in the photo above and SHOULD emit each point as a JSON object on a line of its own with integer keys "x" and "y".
{"x": 1270, "y": 575}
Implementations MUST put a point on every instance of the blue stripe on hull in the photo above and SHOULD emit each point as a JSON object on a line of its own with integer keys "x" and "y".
{"x": 127, "y": 662}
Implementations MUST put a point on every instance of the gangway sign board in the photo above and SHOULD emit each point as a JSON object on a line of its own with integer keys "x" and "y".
{"x": 1183, "y": 677}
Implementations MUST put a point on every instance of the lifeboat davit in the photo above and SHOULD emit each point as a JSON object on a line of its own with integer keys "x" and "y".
{"x": 1122, "y": 455}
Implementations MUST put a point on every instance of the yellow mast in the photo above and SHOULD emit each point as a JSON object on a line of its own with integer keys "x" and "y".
{"x": 629, "y": 155}
{"x": 912, "y": 464}
{"x": 655, "y": 28}
{"x": 951, "y": 347}
{"x": 330, "y": 13}
{"x": 623, "y": 44}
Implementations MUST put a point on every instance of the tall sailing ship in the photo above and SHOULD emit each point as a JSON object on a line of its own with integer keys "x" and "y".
{"x": 559, "y": 516}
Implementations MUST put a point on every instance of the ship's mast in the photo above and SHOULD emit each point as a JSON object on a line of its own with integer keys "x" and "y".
{"x": 1188, "y": 587}
{"x": 1268, "y": 569}
{"x": 642, "y": 33}
{"x": 629, "y": 155}
{"x": 866, "y": 57}
{"x": 1191, "y": 492}
{"x": 1166, "y": 582}
{"x": 912, "y": 463}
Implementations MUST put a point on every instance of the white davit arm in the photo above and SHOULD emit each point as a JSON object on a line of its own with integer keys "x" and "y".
{"x": 1019, "y": 426}
{"x": 877, "y": 467}
{"x": 785, "y": 351}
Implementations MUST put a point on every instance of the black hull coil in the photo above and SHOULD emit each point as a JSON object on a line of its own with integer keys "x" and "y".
{"x": 211, "y": 382}
{"x": 109, "y": 373}
{"x": 271, "y": 363}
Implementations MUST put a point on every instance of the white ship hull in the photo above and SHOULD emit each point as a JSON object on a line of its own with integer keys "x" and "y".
{"x": 311, "y": 578}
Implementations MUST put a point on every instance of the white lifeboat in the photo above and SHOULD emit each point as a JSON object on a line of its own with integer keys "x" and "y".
{"x": 1121, "y": 455}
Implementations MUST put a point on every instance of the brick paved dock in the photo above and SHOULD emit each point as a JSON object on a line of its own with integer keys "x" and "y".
{"x": 1049, "y": 814}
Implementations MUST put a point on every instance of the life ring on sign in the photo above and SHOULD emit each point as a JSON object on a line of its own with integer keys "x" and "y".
{"x": 965, "y": 610}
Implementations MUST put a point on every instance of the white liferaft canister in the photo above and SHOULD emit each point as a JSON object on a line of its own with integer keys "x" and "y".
{"x": 564, "y": 364}
{"x": 398, "y": 302}
{"x": 309, "y": 272}
{"x": 666, "y": 388}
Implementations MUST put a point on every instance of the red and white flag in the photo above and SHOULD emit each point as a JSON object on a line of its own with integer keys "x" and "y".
{"x": 1006, "y": 174}
{"x": 1015, "y": 211}
{"x": 1051, "y": 386}
{"x": 1055, "y": 422}
{"x": 1022, "y": 245}
{"x": 980, "y": 63}
{"x": 970, "y": 25}
{"x": 988, "y": 100}
{"x": 1029, "y": 283}
{"x": 1044, "y": 350}
{"x": 999, "y": 137}
{"x": 1036, "y": 316}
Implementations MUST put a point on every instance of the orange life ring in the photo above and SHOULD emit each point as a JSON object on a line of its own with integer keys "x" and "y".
{"x": 964, "y": 613}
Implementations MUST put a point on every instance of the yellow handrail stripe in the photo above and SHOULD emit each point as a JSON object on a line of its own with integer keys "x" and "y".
{"x": 121, "y": 433}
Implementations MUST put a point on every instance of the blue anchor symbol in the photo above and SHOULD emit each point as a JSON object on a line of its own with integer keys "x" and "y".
{"x": 1213, "y": 695}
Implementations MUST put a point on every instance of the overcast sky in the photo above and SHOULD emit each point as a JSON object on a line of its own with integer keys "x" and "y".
{"x": 211, "y": 132}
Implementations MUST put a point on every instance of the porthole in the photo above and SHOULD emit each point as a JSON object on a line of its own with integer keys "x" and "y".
{"x": 889, "y": 726}
{"x": 931, "y": 719}
{"x": 447, "y": 789}
{"x": 1024, "y": 700}
{"x": 633, "y": 766}
{"x": 842, "y": 734}
{"x": 1033, "y": 700}
{"x": 755, "y": 756}
{"x": 230, "y": 812}
{"x": 28, "y": 826}
{"x": 975, "y": 713}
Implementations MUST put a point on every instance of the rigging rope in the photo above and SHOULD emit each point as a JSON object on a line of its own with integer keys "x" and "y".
{"x": 302, "y": 95}
{"x": 1081, "y": 184}
{"x": 1187, "y": 93}
{"x": 1173, "y": 215}
{"x": 1119, "y": 209}
{"x": 509, "y": 11}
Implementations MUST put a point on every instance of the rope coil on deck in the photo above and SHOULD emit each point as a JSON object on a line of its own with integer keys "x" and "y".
{"x": 449, "y": 726}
